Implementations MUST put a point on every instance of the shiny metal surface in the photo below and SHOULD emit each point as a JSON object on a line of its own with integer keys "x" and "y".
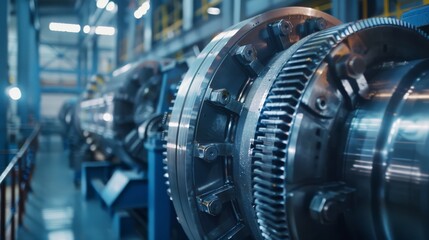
{"x": 282, "y": 133}
{"x": 296, "y": 143}
{"x": 193, "y": 122}
{"x": 386, "y": 157}
{"x": 133, "y": 100}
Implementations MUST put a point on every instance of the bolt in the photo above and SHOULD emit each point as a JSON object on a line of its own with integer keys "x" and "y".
{"x": 310, "y": 26}
{"x": 89, "y": 141}
{"x": 321, "y": 103}
{"x": 211, "y": 205}
{"x": 208, "y": 152}
{"x": 246, "y": 54}
{"x": 331, "y": 211}
{"x": 320, "y": 24}
{"x": 356, "y": 65}
{"x": 220, "y": 96}
{"x": 325, "y": 209}
{"x": 351, "y": 65}
{"x": 93, "y": 147}
{"x": 281, "y": 28}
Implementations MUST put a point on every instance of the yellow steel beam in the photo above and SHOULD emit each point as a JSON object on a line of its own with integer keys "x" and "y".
{"x": 386, "y": 12}
{"x": 324, "y": 7}
{"x": 364, "y": 8}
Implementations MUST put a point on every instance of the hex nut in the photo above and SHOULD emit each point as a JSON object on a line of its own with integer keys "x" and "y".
{"x": 281, "y": 27}
{"x": 325, "y": 209}
{"x": 208, "y": 152}
{"x": 246, "y": 54}
{"x": 220, "y": 96}
{"x": 211, "y": 205}
{"x": 350, "y": 66}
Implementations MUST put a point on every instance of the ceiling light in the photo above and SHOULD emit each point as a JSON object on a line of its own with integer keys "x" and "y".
{"x": 142, "y": 10}
{"x": 102, "y": 3}
{"x": 64, "y": 27}
{"x": 107, "y": 117}
{"x": 111, "y": 7}
{"x": 213, "y": 11}
{"x": 103, "y": 30}
{"x": 86, "y": 29}
{"x": 14, "y": 93}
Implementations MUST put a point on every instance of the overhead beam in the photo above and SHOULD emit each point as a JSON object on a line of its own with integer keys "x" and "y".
{"x": 188, "y": 38}
{"x": 59, "y": 70}
{"x": 69, "y": 46}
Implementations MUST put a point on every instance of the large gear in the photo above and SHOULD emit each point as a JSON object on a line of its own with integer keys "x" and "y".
{"x": 269, "y": 137}
{"x": 199, "y": 196}
{"x": 277, "y": 117}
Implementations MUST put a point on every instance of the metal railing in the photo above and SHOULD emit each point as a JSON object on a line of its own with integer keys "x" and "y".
{"x": 14, "y": 186}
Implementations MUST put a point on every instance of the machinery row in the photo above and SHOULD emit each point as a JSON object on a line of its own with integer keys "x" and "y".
{"x": 288, "y": 125}
{"x": 115, "y": 138}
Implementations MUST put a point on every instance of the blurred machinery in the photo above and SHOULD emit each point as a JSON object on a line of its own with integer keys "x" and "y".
{"x": 116, "y": 141}
{"x": 291, "y": 125}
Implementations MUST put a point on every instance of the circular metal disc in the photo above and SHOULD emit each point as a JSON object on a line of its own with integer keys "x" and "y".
{"x": 196, "y": 184}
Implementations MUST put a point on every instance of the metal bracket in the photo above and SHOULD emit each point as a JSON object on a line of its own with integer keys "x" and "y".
{"x": 247, "y": 56}
{"x": 279, "y": 32}
{"x": 222, "y": 98}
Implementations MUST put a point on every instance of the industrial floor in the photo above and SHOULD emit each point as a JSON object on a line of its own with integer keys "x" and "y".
{"x": 55, "y": 209}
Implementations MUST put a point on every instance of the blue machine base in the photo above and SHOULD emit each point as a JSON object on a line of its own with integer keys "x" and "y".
{"x": 123, "y": 225}
{"x": 123, "y": 190}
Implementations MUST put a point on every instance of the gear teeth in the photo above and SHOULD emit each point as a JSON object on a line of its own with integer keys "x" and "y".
{"x": 269, "y": 155}
{"x": 165, "y": 138}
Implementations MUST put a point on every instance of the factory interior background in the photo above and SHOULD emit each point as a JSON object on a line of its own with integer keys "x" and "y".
{"x": 88, "y": 92}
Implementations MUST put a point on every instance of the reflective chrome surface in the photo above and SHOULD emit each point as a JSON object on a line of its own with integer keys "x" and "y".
{"x": 387, "y": 157}
{"x": 324, "y": 138}
{"x": 192, "y": 122}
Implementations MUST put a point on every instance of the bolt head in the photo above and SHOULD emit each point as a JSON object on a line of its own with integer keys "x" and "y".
{"x": 351, "y": 66}
{"x": 325, "y": 209}
{"x": 355, "y": 65}
{"x": 246, "y": 53}
{"x": 220, "y": 96}
{"x": 210, "y": 153}
{"x": 211, "y": 205}
{"x": 321, "y": 24}
{"x": 215, "y": 207}
{"x": 331, "y": 211}
{"x": 281, "y": 28}
{"x": 321, "y": 103}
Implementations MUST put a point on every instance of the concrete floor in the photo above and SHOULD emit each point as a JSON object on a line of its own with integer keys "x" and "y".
{"x": 55, "y": 209}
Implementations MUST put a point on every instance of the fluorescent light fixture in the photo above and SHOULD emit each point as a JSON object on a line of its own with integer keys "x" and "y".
{"x": 111, "y": 7}
{"x": 102, "y": 3}
{"x": 142, "y": 10}
{"x": 103, "y": 30}
{"x": 64, "y": 27}
{"x": 213, "y": 11}
{"x": 86, "y": 29}
{"x": 14, "y": 93}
